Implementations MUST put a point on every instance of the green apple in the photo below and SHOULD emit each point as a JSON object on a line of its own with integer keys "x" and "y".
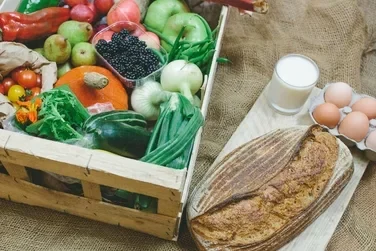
{"x": 63, "y": 68}
{"x": 83, "y": 54}
{"x": 40, "y": 51}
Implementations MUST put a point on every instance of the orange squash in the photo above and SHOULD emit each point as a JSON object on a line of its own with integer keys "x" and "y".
{"x": 94, "y": 84}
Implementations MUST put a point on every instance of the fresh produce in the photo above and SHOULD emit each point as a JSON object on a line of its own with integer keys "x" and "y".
{"x": 28, "y": 111}
{"x": 124, "y": 10}
{"x": 63, "y": 68}
{"x": 128, "y": 55}
{"x": 76, "y": 31}
{"x": 196, "y": 29}
{"x": 173, "y": 135}
{"x": 97, "y": 15}
{"x": 182, "y": 76}
{"x": 16, "y": 72}
{"x": 20, "y": 27}
{"x": 30, "y": 6}
{"x": 131, "y": 118}
{"x": 105, "y": 35}
{"x": 143, "y": 6}
{"x": 60, "y": 116}
{"x": 57, "y": 49}
{"x": 72, "y": 3}
{"x": 31, "y": 93}
{"x": 2, "y": 89}
{"x": 83, "y": 54}
{"x": 39, "y": 80}
{"x": 103, "y": 6}
{"x": 200, "y": 53}
{"x": 160, "y": 11}
{"x": 40, "y": 51}
{"x": 147, "y": 98}
{"x": 82, "y": 13}
{"x": 99, "y": 86}
{"x": 120, "y": 132}
{"x": 15, "y": 93}
{"x": 27, "y": 79}
{"x": 151, "y": 40}
{"x": 7, "y": 83}
{"x": 137, "y": 31}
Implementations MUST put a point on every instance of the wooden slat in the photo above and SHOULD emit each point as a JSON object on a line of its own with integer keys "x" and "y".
{"x": 16, "y": 171}
{"x": 92, "y": 166}
{"x": 24, "y": 192}
{"x": 91, "y": 190}
{"x": 169, "y": 208}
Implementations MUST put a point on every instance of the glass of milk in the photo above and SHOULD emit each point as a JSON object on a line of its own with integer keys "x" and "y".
{"x": 293, "y": 79}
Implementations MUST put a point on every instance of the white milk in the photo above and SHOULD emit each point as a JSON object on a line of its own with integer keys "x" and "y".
{"x": 293, "y": 79}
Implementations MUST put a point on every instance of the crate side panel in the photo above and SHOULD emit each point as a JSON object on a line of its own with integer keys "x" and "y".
{"x": 24, "y": 192}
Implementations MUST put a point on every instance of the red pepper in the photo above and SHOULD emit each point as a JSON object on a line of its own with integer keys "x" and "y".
{"x": 20, "y": 27}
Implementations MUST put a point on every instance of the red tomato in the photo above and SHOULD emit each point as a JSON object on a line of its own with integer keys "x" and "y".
{"x": 2, "y": 89}
{"x": 15, "y": 73}
{"x": 7, "y": 83}
{"x": 39, "y": 80}
{"x": 31, "y": 93}
{"x": 27, "y": 79}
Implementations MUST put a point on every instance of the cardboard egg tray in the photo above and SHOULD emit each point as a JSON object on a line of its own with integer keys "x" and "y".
{"x": 319, "y": 99}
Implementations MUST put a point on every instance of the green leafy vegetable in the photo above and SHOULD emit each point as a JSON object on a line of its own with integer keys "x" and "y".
{"x": 60, "y": 117}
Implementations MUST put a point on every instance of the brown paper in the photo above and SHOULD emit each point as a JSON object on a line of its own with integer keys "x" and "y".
{"x": 13, "y": 55}
{"x": 6, "y": 108}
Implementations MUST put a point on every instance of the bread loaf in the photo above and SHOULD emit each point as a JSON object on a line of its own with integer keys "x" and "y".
{"x": 262, "y": 187}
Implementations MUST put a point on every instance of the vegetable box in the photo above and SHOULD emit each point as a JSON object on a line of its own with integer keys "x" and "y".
{"x": 20, "y": 153}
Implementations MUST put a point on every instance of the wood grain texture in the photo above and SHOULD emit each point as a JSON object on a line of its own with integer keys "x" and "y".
{"x": 92, "y": 166}
{"x": 262, "y": 119}
{"x": 20, "y": 191}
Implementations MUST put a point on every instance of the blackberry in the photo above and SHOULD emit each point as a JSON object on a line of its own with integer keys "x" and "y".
{"x": 129, "y": 55}
{"x": 124, "y": 33}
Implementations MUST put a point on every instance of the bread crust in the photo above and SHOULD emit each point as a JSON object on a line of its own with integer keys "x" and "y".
{"x": 249, "y": 218}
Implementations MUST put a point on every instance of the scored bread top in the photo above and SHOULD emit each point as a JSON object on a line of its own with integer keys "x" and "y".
{"x": 258, "y": 188}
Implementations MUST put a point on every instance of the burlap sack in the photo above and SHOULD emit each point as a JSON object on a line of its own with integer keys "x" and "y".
{"x": 333, "y": 33}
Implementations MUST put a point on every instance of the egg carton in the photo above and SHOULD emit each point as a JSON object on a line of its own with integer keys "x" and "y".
{"x": 319, "y": 99}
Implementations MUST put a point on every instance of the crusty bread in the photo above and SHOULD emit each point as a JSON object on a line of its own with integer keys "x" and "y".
{"x": 258, "y": 211}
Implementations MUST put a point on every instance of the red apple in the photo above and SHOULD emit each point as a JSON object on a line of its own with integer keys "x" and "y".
{"x": 138, "y": 31}
{"x": 99, "y": 27}
{"x": 95, "y": 11}
{"x": 82, "y": 13}
{"x": 103, "y": 6}
{"x": 73, "y": 3}
{"x": 151, "y": 40}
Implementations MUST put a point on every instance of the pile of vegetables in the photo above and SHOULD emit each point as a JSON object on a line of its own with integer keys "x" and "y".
{"x": 98, "y": 46}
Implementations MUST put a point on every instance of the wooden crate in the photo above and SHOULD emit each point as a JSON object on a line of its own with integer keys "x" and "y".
{"x": 94, "y": 168}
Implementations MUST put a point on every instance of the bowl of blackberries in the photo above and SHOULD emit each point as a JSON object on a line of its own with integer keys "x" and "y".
{"x": 119, "y": 49}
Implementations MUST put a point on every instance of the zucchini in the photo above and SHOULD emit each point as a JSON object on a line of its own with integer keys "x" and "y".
{"x": 121, "y": 138}
{"x": 128, "y": 117}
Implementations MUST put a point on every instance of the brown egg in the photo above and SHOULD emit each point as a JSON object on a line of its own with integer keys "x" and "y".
{"x": 371, "y": 141}
{"x": 366, "y": 106}
{"x": 339, "y": 94}
{"x": 354, "y": 126}
{"x": 327, "y": 114}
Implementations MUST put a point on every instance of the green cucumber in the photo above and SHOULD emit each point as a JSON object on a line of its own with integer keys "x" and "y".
{"x": 122, "y": 139}
{"x": 128, "y": 117}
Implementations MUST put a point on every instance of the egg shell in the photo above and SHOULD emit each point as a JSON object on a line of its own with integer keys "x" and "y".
{"x": 339, "y": 94}
{"x": 354, "y": 126}
{"x": 327, "y": 114}
{"x": 367, "y": 106}
{"x": 371, "y": 141}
